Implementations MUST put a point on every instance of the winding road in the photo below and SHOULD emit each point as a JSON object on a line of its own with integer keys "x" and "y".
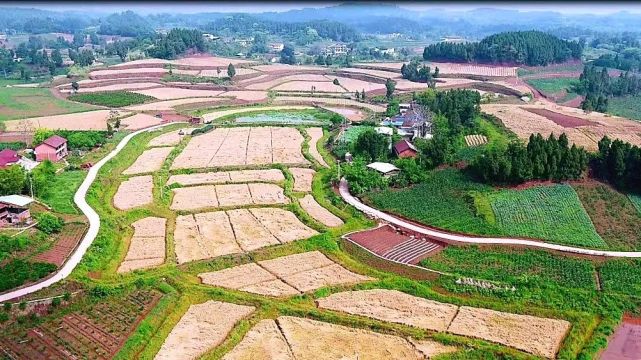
{"x": 449, "y": 237}
{"x": 94, "y": 223}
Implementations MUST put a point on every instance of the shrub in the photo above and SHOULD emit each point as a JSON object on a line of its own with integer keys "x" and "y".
{"x": 6, "y": 306}
{"x": 13, "y": 145}
{"x": 202, "y": 130}
{"x": 21, "y": 272}
{"x": 4, "y": 317}
{"x": 55, "y": 302}
{"x": 22, "y": 305}
{"x": 49, "y": 223}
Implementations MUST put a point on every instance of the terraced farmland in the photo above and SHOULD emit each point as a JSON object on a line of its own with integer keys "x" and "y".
{"x": 552, "y": 213}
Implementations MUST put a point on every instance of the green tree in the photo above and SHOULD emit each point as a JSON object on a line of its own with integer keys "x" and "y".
{"x": 335, "y": 82}
{"x": 41, "y": 135}
{"x": 41, "y": 178}
{"x": 287, "y": 55}
{"x": 12, "y": 180}
{"x": 75, "y": 86}
{"x": 49, "y": 223}
{"x": 393, "y": 107}
{"x": 56, "y": 57}
{"x": 390, "y": 86}
{"x": 371, "y": 145}
{"x": 231, "y": 70}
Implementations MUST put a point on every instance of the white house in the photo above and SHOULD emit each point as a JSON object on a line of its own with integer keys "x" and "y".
{"x": 386, "y": 169}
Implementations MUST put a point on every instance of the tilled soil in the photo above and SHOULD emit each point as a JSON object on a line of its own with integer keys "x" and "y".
{"x": 538, "y": 336}
{"x": 284, "y": 276}
{"x": 134, "y": 192}
{"x": 315, "y": 135}
{"x": 147, "y": 247}
{"x": 149, "y": 161}
{"x": 263, "y": 342}
{"x": 303, "y": 179}
{"x": 393, "y": 306}
{"x": 322, "y": 215}
{"x": 203, "y": 327}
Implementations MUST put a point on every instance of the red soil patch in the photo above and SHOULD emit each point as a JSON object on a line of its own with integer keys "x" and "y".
{"x": 575, "y": 103}
{"x": 560, "y": 119}
{"x": 68, "y": 239}
{"x": 378, "y": 240}
{"x": 625, "y": 344}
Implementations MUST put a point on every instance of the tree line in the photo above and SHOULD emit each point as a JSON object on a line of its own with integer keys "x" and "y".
{"x": 176, "y": 42}
{"x": 541, "y": 159}
{"x": 533, "y": 48}
{"x": 246, "y": 25}
{"x": 597, "y": 86}
{"x": 619, "y": 163}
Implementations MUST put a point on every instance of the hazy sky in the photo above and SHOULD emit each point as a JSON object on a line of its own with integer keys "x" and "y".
{"x": 194, "y": 7}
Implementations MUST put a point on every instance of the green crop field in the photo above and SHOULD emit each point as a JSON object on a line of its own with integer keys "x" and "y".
{"x": 553, "y": 85}
{"x": 552, "y": 213}
{"x": 622, "y": 276}
{"x": 628, "y": 107}
{"x": 20, "y": 103}
{"x": 351, "y": 134}
{"x": 442, "y": 201}
{"x": 514, "y": 267}
{"x": 112, "y": 98}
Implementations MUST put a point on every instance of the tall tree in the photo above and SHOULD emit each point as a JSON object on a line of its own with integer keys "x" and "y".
{"x": 231, "y": 70}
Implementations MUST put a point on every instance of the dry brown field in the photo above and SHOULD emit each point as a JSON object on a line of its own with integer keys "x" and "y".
{"x": 320, "y": 86}
{"x": 139, "y": 121}
{"x": 303, "y": 178}
{"x": 147, "y": 245}
{"x": 90, "y": 120}
{"x": 319, "y": 213}
{"x": 224, "y": 177}
{"x": 149, "y": 161}
{"x": 134, "y": 192}
{"x": 171, "y": 93}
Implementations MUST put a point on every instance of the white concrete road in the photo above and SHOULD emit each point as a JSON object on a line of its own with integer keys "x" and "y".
{"x": 444, "y": 236}
{"x": 94, "y": 223}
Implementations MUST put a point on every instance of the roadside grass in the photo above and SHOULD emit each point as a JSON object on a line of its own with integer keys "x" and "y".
{"x": 19, "y": 103}
{"x": 552, "y": 213}
{"x": 627, "y": 106}
{"x": 61, "y": 191}
{"x": 613, "y": 214}
{"x": 112, "y": 98}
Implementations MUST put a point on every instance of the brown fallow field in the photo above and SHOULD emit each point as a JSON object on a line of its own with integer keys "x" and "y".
{"x": 140, "y": 121}
{"x": 224, "y": 177}
{"x": 319, "y": 213}
{"x": 242, "y": 146}
{"x": 212, "y": 234}
{"x": 284, "y": 276}
{"x": 582, "y": 129}
{"x": 147, "y": 245}
{"x": 149, "y": 161}
{"x": 227, "y": 195}
{"x": 536, "y": 335}
{"x": 90, "y": 120}
{"x": 201, "y": 328}
{"x": 134, "y": 192}
{"x": 302, "y": 179}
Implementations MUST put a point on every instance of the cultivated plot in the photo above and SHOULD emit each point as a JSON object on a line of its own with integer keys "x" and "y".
{"x": 147, "y": 247}
{"x": 134, "y": 192}
{"x": 150, "y": 160}
{"x": 284, "y": 276}
{"x": 303, "y": 178}
{"x": 227, "y": 195}
{"x": 212, "y": 234}
{"x": 171, "y": 138}
{"x": 168, "y": 105}
{"x": 536, "y": 335}
{"x": 208, "y": 117}
{"x": 169, "y": 93}
{"x": 140, "y": 121}
{"x": 90, "y": 120}
{"x": 315, "y": 135}
{"x": 224, "y": 177}
{"x": 328, "y": 101}
{"x": 203, "y": 327}
{"x": 319, "y": 213}
{"x": 242, "y": 146}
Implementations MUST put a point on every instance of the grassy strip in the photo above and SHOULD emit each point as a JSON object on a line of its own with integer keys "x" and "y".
{"x": 112, "y": 98}
{"x": 62, "y": 189}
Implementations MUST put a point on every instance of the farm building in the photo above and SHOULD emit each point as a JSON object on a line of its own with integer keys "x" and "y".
{"x": 386, "y": 169}
{"x": 405, "y": 149}
{"x": 412, "y": 123}
{"x": 276, "y": 47}
{"x": 8, "y": 157}
{"x": 336, "y": 49}
{"x": 14, "y": 210}
{"x": 53, "y": 149}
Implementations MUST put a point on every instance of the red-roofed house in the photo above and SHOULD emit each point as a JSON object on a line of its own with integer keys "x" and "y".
{"x": 405, "y": 149}
{"x": 53, "y": 149}
{"x": 8, "y": 157}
